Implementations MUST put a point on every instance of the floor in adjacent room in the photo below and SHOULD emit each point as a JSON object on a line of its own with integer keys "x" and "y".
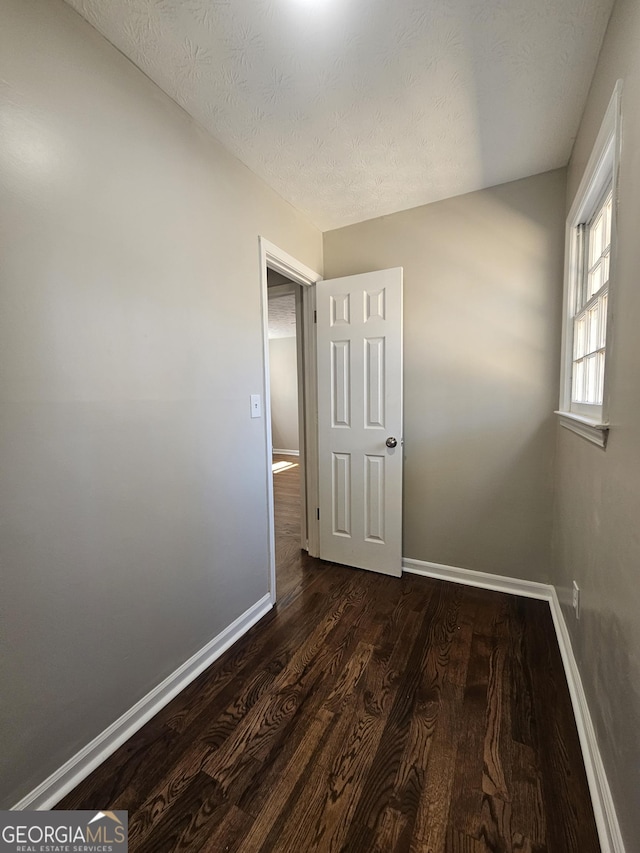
{"x": 363, "y": 713}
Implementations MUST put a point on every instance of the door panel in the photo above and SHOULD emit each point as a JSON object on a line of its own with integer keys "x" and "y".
{"x": 359, "y": 334}
{"x": 340, "y": 384}
{"x": 341, "y": 494}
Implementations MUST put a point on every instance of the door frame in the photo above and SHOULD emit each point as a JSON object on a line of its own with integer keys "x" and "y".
{"x": 280, "y": 261}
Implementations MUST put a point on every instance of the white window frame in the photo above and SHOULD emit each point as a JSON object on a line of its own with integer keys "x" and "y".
{"x": 590, "y": 420}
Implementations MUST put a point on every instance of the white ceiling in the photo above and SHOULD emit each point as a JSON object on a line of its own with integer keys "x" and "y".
{"x": 352, "y": 109}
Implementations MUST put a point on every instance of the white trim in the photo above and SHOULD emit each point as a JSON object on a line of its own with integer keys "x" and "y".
{"x": 286, "y": 452}
{"x": 603, "y": 807}
{"x": 470, "y": 577}
{"x": 301, "y": 296}
{"x": 603, "y": 150}
{"x": 603, "y": 167}
{"x": 587, "y": 428}
{"x": 309, "y": 436}
{"x": 79, "y": 766}
{"x": 279, "y": 261}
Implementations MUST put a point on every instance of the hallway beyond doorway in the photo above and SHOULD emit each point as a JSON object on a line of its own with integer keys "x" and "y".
{"x": 286, "y": 494}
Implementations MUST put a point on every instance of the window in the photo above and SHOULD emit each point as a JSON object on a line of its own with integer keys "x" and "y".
{"x": 588, "y": 284}
{"x": 590, "y": 318}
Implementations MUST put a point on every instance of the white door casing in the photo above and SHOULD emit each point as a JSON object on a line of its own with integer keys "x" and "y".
{"x": 277, "y": 259}
{"x": 359, "y": 340}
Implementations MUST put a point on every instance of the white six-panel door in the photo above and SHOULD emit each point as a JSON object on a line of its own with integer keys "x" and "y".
{"x": 359, "y": 334}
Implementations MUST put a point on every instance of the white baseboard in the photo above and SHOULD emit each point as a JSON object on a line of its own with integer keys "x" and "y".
{"x": 603, "y": 807}
{"x": 78, "y": 767}
{"x": 286, "y": 452}
{"x": 470, "y": 577}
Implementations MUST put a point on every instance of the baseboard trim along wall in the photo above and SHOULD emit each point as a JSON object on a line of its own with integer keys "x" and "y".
{"x": 603, "y": 806}
{"x": 469, "y": 577}
{"x": 78, "y": 767}
{"x": 286, "y": 452}
{"x": 604, "y": 809}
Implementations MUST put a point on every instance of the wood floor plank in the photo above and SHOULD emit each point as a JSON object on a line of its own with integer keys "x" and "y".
{"x": 363, "y": 714}
{"x": 282, "y": 789}
{"x": 341, "y": 671}
{"x": 497, "y": 810}
{"x": 198, "y": 809}
{"x": 388, "y": 833}
{"x": 569, "y": 816}
{"x": 466, "y": 803}
{"x": 255, "y": 734}
{"x": 228, "y": 836}
{"x": 431, "y": 819}
{"x": 403, "y": 749}
{"x": 227, "y": 741}
{"x": 120, "y": 773}
{"x": 316, "y": 820}
{"x": 321, "y": 822}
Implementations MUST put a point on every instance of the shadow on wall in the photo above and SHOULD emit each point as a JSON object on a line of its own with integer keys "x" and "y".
{"x": 482, "y": 383}
{"x": 500, "y": 507}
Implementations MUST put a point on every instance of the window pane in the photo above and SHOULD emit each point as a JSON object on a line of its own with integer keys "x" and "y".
{"x": 579, "y": 337}
{"x": 591, "y": 382}
{"x": 604, "y": 299}
{"x": 593, "y": 328}
{"x": 608, "y": 214}
{"x": 581, "y": 236}
{"x": 598, "y": 243}
{"x": 595, "y": 280}
{"x": 596, "y": 236}
{"x": 605, "y": 270}
{"x": 577, "y": 386}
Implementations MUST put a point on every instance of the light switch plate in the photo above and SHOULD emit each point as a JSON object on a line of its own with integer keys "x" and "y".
{"x": 256, "y": 406}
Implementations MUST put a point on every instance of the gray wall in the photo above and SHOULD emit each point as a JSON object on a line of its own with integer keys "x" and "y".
{"x": 283, "y": 371}
{"x": 130, "y": 340}
{"x": 597, "y": 533}
{"x": 483, "y": 280}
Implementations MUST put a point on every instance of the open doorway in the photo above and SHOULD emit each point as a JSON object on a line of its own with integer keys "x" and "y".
{"x": 286, "y": 375}
{"x": 287, "y": 419}
{"x": 284, "y": 271}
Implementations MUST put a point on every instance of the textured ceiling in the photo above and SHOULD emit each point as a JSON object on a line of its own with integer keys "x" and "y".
{"x": 351, "y": 109}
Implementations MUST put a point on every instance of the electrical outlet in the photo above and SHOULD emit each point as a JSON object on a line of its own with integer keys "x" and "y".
{"x": 576, "y": 599}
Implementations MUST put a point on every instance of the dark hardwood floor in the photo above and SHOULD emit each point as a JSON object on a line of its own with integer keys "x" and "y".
{"x": 367, "y": 714}
{"x": 286, "y": 490}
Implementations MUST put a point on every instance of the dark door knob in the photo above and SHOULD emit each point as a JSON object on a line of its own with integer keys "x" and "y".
{"x": 391, "y": 442}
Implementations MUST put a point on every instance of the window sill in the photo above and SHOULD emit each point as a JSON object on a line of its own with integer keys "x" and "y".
{"x": 587, "y": 428}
